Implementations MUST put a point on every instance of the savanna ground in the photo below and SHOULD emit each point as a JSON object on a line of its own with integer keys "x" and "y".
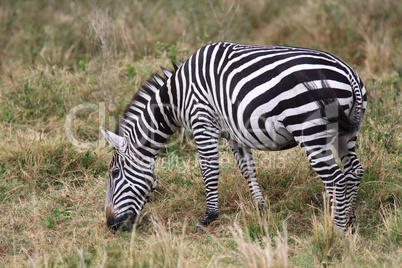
{"x": 57, "y": 55}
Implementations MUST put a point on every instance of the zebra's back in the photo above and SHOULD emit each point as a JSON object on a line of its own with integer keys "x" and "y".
{"x": 261, "y": 94}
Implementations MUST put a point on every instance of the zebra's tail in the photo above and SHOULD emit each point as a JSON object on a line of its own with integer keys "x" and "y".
{"x": 331, "y": 110}
{"x": 360, "y": 101}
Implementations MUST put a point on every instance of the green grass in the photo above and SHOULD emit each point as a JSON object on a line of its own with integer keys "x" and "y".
{"x": 54, "y": 57}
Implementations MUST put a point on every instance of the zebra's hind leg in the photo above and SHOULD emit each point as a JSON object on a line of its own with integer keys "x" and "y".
{"x": 245, "y": 162}
{"x": 353, "y": 174}
{"x": 318, "y": 149}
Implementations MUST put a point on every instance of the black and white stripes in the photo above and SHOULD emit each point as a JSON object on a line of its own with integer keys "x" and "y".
{"x": 257, "y": 97}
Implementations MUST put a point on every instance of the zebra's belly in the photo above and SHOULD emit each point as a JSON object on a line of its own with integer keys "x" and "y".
{"x": 270, "y": 135}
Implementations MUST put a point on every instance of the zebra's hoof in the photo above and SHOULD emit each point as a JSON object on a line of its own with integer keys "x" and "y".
{"x": 261, "y": 209}
{"x": 351, "y": 229}
{"x": 200, "y": 227}
{"x": 207, "y": 219}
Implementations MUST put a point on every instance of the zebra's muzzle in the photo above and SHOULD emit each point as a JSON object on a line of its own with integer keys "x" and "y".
{"x": 122, "y": 223}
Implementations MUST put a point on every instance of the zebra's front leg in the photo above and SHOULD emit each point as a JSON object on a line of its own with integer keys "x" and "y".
{"x": 246, "y": 165}
{"x": 208, "y": 147}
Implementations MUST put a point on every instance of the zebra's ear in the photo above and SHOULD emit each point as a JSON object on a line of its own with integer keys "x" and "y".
{"x": 118, "y": 142}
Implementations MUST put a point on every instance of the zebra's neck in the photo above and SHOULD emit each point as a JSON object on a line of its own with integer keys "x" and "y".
{"x": 148, "y": 120}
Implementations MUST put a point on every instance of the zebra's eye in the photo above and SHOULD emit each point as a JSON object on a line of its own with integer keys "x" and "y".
{"x": 115, "y": 173}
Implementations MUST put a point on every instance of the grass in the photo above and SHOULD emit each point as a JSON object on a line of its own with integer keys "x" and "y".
{"x": 54, "y": 57}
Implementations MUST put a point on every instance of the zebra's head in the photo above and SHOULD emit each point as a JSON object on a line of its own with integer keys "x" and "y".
{"x": 129, "y": 186}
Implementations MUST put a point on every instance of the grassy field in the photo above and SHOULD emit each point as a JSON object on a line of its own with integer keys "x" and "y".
{"x": 57, "y": 55}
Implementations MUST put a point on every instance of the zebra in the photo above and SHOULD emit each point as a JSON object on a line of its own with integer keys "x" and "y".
{"x": 256, "y": 97}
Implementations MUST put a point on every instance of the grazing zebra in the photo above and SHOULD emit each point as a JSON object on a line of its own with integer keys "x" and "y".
{"x": 257, "y": 97}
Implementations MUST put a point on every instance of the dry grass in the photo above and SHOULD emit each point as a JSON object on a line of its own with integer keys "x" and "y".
{"x": 54, "y": 57}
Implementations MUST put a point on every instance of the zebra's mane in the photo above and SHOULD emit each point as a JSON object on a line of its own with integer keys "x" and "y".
{"x": 143, "y": 96}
